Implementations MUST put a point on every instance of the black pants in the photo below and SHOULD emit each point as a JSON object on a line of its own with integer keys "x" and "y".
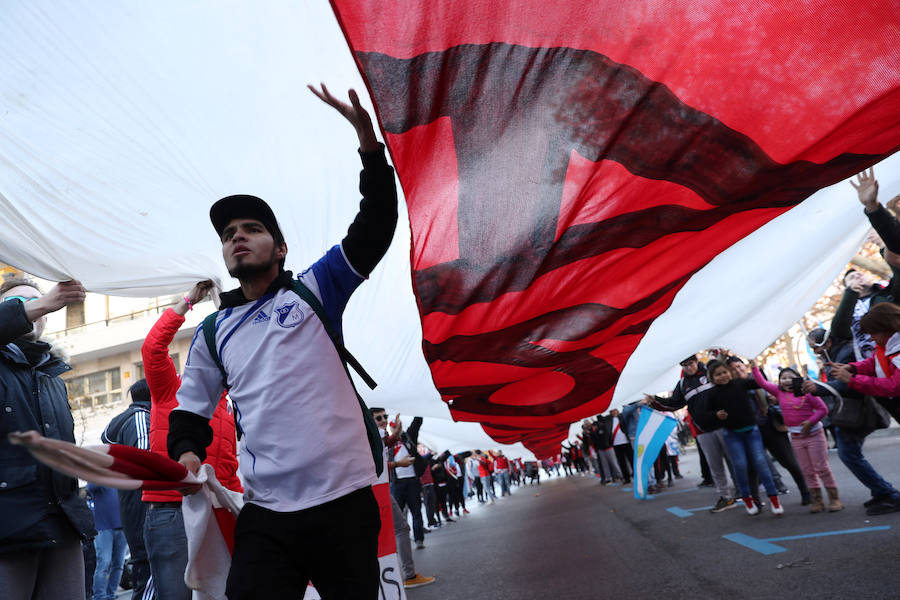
{"x": 624, "y": 453}
{"x": 133, "y": 512}
{"x": 705, "y": 473}
{"x": 334, "y": 545}
{"x": 779, "y": 446}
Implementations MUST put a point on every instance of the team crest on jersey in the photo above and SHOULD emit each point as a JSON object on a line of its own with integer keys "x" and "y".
{"x": 289, "y": 315}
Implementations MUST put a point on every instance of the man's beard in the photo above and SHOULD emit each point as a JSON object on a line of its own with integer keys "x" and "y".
{"x": 244, "y": 271}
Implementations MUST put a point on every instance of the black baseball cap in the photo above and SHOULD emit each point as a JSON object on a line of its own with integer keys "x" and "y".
{"x": 243, "y": 206}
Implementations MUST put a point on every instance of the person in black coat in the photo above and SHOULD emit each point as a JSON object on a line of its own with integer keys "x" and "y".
{"x": 43, "y": 519}
{"x": 131, "y": 427}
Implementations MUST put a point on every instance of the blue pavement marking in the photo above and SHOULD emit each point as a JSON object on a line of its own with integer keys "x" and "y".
{"x": 765, "y": 546}
{"x": 686, "y": 512}
{"x": 628, "y": 489}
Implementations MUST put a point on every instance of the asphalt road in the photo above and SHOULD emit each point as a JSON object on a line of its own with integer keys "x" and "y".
{"x": 571, "y": 537}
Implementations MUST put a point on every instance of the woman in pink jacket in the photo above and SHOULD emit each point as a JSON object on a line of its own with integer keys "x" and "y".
{"x": 878, "y": 375}
{"x": 803, "y": 415}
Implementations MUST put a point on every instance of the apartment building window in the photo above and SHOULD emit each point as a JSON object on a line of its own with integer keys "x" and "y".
{"x": 95, "y": 389}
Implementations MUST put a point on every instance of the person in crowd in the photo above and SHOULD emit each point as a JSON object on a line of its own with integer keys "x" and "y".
{"x": 673, "y": 449}
{"x": 694, "y": 391}
{"x": 802, "y": 414}
{"x": 485, "y": 466}
{"x": 455, "y": 478}
{"x": 164, "y": 533}
{"x": 861, "y": 291}
{"x": 429, "y": 495}
{"x": 729, "y": 404}
{"x": 473, "y": 469}
{"x": 878, "y": 375}
{"x": 774, "y": 433}
{"x": 411, "y": 578}
{"x": 131, "y": 427}
{"x": 621, "y": 446}
{"x": 405, "y": 486}
{"x": 600, "y": 436}
{"x": 439, "y": 472}
{"x": 310, "y": 512}
{"x": 110, "y": 544}
{"x": 501, "y": 472}
{"x": 43, "y": 519}
{"x": 882, "y": 323}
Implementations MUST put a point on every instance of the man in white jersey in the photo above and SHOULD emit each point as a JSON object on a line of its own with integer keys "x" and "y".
{"x": 306, "y": 462}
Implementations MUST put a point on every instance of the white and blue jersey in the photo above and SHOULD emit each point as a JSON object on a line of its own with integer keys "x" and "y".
{"x": 304, "y": 440}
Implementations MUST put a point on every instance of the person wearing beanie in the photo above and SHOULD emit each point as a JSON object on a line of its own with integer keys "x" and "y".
{"x": 309, "y": 449}
{"x": 43, "y": 520}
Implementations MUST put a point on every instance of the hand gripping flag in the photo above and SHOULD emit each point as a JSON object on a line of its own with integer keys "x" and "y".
{"x": 115, "y": 466}
{"x": 653, "y": 429}
{"x": 210, "y": 514}
{"x": 568, "y": 167}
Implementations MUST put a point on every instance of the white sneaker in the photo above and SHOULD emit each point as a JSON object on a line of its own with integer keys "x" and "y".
{"x": 752, "y": 508}
{"x": 777, "y": 508}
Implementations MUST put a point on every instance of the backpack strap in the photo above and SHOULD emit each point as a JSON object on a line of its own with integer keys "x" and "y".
{"x": 209, "y": 334}
{"x": 376, "y": 444}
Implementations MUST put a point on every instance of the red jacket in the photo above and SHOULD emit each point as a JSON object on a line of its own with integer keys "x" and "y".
{"x": 163, "y": 380}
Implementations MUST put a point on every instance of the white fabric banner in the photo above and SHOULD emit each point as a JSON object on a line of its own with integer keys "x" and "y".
{"x": 123, "y": 122}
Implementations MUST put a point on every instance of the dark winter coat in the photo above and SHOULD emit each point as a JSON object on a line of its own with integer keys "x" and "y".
{"x": 39, "y": 508}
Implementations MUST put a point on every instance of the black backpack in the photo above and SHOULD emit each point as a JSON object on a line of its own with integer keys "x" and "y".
{"x": 372, "y": 431}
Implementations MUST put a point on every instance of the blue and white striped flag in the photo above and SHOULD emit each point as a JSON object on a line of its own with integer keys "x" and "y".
{"x": 652, "y": 430}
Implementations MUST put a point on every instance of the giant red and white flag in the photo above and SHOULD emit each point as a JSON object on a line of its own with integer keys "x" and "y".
{"x": 569, "y": 167}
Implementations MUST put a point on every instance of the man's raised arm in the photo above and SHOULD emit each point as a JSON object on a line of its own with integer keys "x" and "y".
{"x": 371, "y": 232}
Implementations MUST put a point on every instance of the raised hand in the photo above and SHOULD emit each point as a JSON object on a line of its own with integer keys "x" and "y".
{"x": 866, "y": 187}
{"x": 353, "y": 112}
{"x": 62, "y": 294}
{"x": 200, "y": 291}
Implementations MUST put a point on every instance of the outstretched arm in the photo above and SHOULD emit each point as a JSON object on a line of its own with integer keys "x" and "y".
{"x": 371, "y": 232}
{"x": 353, "y": 112}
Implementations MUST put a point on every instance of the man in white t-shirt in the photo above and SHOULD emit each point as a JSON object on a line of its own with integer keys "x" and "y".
{"x": 306, "y": 460}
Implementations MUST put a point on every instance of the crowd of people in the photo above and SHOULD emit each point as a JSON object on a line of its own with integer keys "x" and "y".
{"x": 269, "y": 371}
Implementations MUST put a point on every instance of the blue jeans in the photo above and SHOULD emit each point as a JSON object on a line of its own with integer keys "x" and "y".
{"x": 110, "y": 546}
{"x": 503, "y": 476}
{"x": 488, "y": 486}
{"x": 849, "y": 446}
{"x": 167, "y": 550}
{"x": 407, "y": 493}
{"x": 746, "y": 447}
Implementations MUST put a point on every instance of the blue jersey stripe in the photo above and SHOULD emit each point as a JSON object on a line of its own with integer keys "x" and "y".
{"x": 252, "y": 311}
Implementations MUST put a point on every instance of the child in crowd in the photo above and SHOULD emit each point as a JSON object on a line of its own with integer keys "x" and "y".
{"x": 803, "y": 414}
{"x": 730, "y": 405}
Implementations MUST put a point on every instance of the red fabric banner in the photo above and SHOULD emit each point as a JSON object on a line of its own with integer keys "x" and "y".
{"x": 569, "y": 166}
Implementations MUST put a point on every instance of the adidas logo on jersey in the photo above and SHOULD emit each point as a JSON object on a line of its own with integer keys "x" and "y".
{"x": 261, "y": 317}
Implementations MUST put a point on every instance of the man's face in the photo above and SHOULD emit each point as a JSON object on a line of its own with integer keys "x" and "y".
{"x": 614, "y": 412}
{"x": 28, "y": 293}
{"x": 249, "y": 249}
{"x": 739, "y": 370}
{"x": 690, "y": 367}
{"x": 380, "y": 419}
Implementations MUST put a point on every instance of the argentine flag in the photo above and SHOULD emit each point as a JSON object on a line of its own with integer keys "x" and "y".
{"x": 652, "y": 430}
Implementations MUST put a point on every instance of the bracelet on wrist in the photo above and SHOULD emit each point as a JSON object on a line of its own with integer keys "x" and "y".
{"x": 187, "y": 301}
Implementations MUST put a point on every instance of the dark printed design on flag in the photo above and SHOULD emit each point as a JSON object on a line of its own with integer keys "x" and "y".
{"x": 558, "y": 201}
